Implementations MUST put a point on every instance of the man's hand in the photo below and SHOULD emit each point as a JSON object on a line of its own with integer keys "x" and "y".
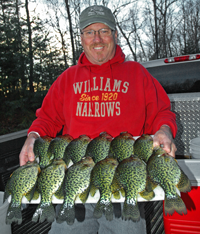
{"x": 27, "y": 153}
{"x": 163, "y": 137}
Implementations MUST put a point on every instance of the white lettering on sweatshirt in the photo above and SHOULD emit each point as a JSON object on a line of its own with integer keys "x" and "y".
{"x": 101, "y": 85}
{"x": 96, "y": 109}
{"x": 99, "y": 97}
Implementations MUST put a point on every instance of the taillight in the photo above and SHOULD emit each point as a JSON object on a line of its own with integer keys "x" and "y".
{"x": 182, "y": 58}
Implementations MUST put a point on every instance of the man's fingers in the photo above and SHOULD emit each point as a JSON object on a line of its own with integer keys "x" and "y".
{"x": 27, "y": 153}
{"x": 31, "y": 155}
{"x": 169, "y": 147}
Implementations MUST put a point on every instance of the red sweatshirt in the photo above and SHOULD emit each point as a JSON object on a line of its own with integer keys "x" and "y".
{"x": 114, "y": 97}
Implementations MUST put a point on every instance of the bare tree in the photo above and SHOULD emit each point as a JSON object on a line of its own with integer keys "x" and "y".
{"x": 71, "y": 31}
{"x": 157, "y": 25}
{"x": 30, "y": 47}
{"x": 148, "y": 29}
{"x": 188, "y": 33}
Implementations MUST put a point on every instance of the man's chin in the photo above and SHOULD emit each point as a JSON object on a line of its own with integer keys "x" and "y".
{"x": 101, "y": 59}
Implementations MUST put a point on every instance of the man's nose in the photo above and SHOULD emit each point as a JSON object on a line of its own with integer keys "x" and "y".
{"x": 97, "y": 36}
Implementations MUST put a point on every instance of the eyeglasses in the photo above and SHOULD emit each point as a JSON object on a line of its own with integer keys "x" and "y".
{"x": 103, "y": 32}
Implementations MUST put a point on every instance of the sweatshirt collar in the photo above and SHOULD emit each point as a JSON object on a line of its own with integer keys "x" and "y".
{"x": 118, "y": 58}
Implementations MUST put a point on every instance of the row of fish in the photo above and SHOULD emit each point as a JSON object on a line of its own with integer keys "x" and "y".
{"x": 120, "y": 166}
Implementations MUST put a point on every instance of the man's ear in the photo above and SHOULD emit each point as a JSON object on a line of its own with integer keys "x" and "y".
{"x": 116, "y": 34}
{"x": 81, "y": 40}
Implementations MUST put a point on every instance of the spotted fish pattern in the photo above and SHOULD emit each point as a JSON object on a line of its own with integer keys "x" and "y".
{"x": 101, "y": 179}
{"x": 98, "y": 148}
{"x": 21, "y": 183}
{"x": 49, "y": 182}
{"x": 76, "y": 183}
{"x": 121, "y": 146}
{"x": 164, "y": 170}
{"x": 131, "y": 174}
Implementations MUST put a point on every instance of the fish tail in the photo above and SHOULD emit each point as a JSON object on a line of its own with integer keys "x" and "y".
{"x": 131, "y": 212}
{"x": 44, "y": 212}
{"x": 14, "y": 215}
{"x": 66, "y": 213}
{"x": 105, "y": 207}
{"x": 174, "y": 204}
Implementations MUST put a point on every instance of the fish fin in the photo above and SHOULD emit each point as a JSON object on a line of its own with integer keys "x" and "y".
{"x": 44, "y": 212}
{"x": 66, "y": 213}
{"x": 67, "y": 162}
{"x": 30, "y": 194}
{"x": 7, "y": 192}
{"x": 130, "y": 212}
{"x": 66, "y": 159}
{"x": 51, "y": 158}
{"x": 122, "y": 192}
{"x": 84, "y": 167}
{"x": 84, "y": 195}
{"x": 36, "y": 195}
{"x": 174, "y": 204}
{"x": 105, "y": 207}
{"x": 14, "y": 214}
{"x": 6, "y": 195}
{"x": 148, "y": 192}
{"x": 93, "y": 190}
{"x": 116, "y": 187}
{"x": 147, "y": 195}
{"x": 184, "y": 184}
{"x": 150, "y": 185}
{"x": 116, "y": 195}
{"x": 60, "y": 192}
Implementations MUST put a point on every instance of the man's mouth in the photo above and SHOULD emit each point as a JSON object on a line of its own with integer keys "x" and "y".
{"x": 98, "y": 48}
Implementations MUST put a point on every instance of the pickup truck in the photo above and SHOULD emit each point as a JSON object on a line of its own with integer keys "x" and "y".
{"x": 177, "y": 74}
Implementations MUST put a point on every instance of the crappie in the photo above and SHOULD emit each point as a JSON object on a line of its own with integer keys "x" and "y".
{"x": 76, "y": 149}
{"x": 49, "y": 182}
{"x": 143, "y": 147}
{"x": 21, "y": 183}
{"x": 76, "y": 183}
{"x": 58, "y": 145}
{"x": 40, "y": 149}
{"x": 121, "y": 147}
{"x": 101, "y": 178}
{"x": 98, "y": 148}
{"x": 131, "y": 174}
{"x": 165, "y": 171}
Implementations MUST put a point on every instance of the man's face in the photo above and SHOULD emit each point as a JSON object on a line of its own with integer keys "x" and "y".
{"x": 98, "y": 49}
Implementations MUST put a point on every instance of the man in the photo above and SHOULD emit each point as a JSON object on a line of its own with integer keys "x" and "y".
{"x": 103, "y": 93}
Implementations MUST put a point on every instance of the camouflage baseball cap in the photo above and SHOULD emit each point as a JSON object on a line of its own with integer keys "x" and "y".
{"x": 97, "y": 14}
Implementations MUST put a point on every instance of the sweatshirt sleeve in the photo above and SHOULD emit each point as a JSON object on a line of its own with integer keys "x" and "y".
{"x": 50, "y": 117}
{"x": 158, "y": 106}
